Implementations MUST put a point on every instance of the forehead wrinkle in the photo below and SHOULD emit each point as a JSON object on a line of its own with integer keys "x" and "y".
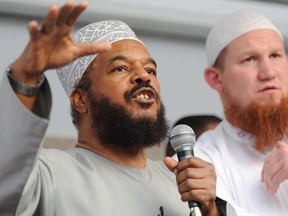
{"x": 118, "y": 57}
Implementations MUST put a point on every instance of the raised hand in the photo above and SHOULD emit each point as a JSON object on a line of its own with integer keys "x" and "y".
{"x": 275, "y": 169}
{"x": 51, "y": 44}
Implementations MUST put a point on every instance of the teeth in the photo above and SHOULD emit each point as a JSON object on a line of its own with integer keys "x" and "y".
{"x": 146, "y": 96}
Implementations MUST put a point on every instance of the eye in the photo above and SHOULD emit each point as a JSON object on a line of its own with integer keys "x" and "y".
{"x": 249, "y": 59}
{"x": 120, "y": 69}
{"x": 151, "y": 71}
{"x": 275, "y": 55}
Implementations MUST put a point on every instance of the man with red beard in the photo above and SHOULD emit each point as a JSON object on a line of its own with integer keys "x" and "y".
{"x": 117, "y": 109}
{"x": 248, "y": 68}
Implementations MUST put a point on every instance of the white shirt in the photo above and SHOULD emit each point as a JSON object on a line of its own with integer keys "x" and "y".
{"x": 238, "y": 166}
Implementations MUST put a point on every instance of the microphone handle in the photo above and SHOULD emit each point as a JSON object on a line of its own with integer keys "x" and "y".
{"x": 195, "y": 211}
{"x": 182, "y": 154}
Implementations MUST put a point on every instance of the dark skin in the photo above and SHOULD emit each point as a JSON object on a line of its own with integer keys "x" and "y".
{"x": 51, "y": 46}
{"x": 196, "y": 181}
{"x": 133, "y": 64}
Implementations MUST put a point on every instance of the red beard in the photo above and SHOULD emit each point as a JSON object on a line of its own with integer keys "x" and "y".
{"x": 266, "y": 123}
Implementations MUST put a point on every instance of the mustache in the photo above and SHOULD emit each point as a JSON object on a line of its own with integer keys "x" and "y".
{"x": 128, "y": 94}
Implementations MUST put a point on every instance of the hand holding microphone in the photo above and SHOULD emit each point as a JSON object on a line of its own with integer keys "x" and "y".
{"x": 196, "y": 178}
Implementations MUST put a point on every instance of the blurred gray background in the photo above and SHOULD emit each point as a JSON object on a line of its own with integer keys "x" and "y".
{"x": 173, "y": 30}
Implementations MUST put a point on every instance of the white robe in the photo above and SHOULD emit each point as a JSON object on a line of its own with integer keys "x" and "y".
{"x": 238, "y": 166}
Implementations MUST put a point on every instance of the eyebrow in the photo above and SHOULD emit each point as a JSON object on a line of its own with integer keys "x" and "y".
{"x": 124, "y": 58}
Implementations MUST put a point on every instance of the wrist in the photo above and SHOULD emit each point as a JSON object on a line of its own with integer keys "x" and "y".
{"x": 22, "y": 88}
{"x": 212, "y": 210}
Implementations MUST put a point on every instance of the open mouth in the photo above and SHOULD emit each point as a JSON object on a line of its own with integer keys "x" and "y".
{"x": 146, "y": 95}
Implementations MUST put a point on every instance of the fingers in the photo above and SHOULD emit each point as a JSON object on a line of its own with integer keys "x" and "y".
{"x": 271, "y": 166}
{"x": 34, "y": 30}
{"x": 270, "y": 176}
{"x": 50, "y": 20}
{"x": 202, "y": 190}
{"x": 51, "y": 45}
{"x": 275, "y": 182}
{"x": 92, "y": 48}
{"x": 195, "y": 184}
{"x": 59, "y": 17}
{"x": 70, "y": 12}
{"x": 196, "y": 177}
{"x": 203, "y": 195}
{"x": 170, "y": 163}
{"x": 193, "y": 162}
{"x": 275, "y": 168}
{"x": 65, "y": 12}
{"x": 196, "y": 180}
{"x": 71, "y": 19}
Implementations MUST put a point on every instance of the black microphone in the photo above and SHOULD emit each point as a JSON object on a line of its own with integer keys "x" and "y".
{"x": 182, "y": 139}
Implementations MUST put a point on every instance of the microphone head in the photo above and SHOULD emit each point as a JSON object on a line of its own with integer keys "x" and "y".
{"x": 182, "y": 136}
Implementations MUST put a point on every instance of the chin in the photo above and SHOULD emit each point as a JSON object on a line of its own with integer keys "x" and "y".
{"x": 145, "y": 114}
{"x": 271, "y": 100}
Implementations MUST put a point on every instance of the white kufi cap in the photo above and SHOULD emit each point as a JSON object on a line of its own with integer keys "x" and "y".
{"x": 232, "y": 27}
{"x": 109, "y": 31}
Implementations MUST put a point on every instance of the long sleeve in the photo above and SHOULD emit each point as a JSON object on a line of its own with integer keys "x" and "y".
{"x": 21, "y": 134}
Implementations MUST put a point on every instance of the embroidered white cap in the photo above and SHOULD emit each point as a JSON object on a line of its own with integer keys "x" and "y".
{"x": 109, "y": 31}
{"x": 231, "y": 27}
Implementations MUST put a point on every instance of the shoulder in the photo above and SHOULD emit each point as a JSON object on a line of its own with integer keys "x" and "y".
{"x": 56, "y": 157}
{"x": 211, "y": 137}
{"x": 212, "y": 144}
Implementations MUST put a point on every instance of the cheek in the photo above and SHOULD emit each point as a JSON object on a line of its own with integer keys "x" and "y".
{"x": 238, "y": 88}
{"x": 284, "y": 82}
{"x": 285, "y": 88}
{"x": 156, "y": 87}
{"x": 110, "y": 88}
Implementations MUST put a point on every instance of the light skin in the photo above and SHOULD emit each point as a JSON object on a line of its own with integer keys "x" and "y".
{"x": 275, "y": 169}
{"x": 119, "y": 66}
{"x": 254, "y": 67}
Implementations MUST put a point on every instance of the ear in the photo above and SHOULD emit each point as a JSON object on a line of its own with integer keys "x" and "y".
{"x": 213, "y": 77}
{"x": 78, "y": 101}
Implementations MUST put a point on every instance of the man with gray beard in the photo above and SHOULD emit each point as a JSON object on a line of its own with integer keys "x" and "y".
{"x": 248, "y": 68}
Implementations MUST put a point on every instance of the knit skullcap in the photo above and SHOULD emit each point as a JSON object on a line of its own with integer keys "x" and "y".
{"x": 231, "y": 27}
{"x": 109, "y": 31}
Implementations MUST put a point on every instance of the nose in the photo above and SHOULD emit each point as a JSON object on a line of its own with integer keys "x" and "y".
{"x": 266, "y": 69}
{"x": 140, "y": 75}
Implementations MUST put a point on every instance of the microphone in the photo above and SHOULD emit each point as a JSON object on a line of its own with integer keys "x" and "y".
{"x": 182, "y": 139}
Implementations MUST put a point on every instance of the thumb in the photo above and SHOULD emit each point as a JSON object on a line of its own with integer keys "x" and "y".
{"x": 170, "y": 163}
{"x": 92, "y": 48}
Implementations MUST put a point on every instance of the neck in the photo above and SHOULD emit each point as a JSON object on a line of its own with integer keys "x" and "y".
{"x": 138, "y": 160}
